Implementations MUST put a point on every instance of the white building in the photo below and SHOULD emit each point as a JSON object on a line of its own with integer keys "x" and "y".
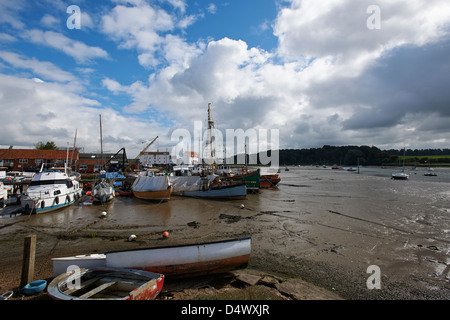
{"x": 149, "y": 159}
{"x": 190, "y": 157}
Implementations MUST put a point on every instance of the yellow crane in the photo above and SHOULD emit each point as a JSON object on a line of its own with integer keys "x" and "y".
{"x": 143, "y": 150}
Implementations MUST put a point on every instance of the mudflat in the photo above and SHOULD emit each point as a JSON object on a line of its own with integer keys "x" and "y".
{"x": 321, "y": 229}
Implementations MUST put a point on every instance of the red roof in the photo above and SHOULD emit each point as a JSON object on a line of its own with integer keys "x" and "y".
{"x": 12, "y": 154}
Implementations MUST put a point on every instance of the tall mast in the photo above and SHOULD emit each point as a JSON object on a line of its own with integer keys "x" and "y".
{"x": 210, "y": 125}
{"x": 101, "y": 142}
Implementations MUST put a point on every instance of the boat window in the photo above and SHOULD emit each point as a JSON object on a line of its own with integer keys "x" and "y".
{"x": 47, "y": 182}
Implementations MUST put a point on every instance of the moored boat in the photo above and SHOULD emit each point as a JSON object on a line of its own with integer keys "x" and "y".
{"x": 251, "y": 179}
{"x": 400, "y": 176}
{"x": 152, "y": 188}
{"x": 185, "y": 260}
{"x": 209, "y": 187}
{"x": 103, "y": 191}
{"x": 50, "y": 190}
{"x": 269, "y": 180}
{"x": 105, "y": 283}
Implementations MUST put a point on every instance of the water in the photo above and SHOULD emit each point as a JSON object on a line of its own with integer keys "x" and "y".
{"x": 348, "y": 220}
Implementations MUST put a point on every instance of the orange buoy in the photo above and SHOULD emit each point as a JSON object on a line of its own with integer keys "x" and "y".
{"x": 165, "y": 234}
{"x": 88, "y": 193}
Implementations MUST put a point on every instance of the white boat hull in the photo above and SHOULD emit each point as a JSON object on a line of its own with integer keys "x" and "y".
{"x": 41, "y": 205}
{"x": 61, "y": 265}
{"x": 185, "y": 260}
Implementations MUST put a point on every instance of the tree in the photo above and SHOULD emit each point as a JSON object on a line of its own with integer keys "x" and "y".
{"x": 50, "y": 145}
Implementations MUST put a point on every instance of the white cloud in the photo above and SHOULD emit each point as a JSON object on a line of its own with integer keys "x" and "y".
{"x": 43, "y": 69}
{"x": 311, "y": 28}
{"x": 81, "y": 52}
{"x": 212, "y": 8}
{"x": 49, "y": 21}
{"x": 9, "y": 13}
{"x": 149, "y": 30}
{"x": 64, "y": 111}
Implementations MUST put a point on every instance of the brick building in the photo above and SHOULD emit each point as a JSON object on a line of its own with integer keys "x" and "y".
{"x": 32, "y": 159}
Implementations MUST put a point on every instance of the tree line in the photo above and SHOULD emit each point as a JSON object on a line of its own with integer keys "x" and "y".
{"x": 352, "y": 155}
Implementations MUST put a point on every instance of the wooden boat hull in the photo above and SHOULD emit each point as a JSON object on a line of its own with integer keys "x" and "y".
{"x": 158, "y": 195}
{"x": 269, "y": 180}
{"x": 220, "y": 193}
{"x": 106, "y": 284}
{"x": 185, "y": 260}
{"x": 251, "y": 180}
{"x": 124, "y": 193}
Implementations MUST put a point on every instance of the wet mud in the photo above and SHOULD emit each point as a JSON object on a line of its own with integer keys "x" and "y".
{"x": 323, "y": 226}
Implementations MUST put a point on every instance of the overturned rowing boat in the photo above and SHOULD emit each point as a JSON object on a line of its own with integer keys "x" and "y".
{"x": 185, "y": 260}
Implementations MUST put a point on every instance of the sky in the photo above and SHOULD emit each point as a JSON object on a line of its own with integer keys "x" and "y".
{"x": 328, "y": 72}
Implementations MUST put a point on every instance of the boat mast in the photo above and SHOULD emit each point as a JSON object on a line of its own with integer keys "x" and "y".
{"x": 210, "y": 124}
{"x": 101, "y": 143}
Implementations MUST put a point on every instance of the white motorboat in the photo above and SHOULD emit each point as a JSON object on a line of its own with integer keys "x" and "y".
{"x": 50, "y": 190}
{"x": 400, "y": 176}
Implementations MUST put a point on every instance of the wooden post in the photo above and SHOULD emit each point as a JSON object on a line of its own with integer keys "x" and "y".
{"x": 29, "y": 251}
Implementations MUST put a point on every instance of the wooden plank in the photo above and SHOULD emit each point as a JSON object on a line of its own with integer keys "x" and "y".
{"x": 97, "y": 290}
{"x": 82, "y": 286}
{"x": 29, "y": 252}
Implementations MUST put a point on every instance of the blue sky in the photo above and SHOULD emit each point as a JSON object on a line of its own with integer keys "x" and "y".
{"x": 314, "y": 70}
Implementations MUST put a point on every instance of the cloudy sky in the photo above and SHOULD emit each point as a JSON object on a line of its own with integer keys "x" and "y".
{"x": 338, "y": 72}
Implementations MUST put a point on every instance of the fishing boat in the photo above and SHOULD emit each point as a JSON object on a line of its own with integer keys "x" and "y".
{"x": 50, "y": 190}
{"x": 269, "y": 180}
{"x": 208, "y": 187}
{"x": 105, "y": 283}
{"x": 251, "y": 179}
{"x": 188, "y": 260}
{"x": 151, "y": 187}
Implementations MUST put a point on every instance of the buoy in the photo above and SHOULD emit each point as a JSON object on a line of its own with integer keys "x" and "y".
{"x": 242, "y": 206}
{"x": 165, "y": 234}
{"x": 103, "y": 214}
{"x": 132, "y": 238}
{"x": 88, "y": 193}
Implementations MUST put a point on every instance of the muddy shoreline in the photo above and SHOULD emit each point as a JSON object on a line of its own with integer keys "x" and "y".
{"x": 309, "y": 229}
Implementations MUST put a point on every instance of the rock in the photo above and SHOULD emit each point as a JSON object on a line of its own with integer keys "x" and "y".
{"x": 246, "y": 277}
{"x": 193, "y": 224}
{"x": 301, "y": 290}
{"x": 269, "y": 281}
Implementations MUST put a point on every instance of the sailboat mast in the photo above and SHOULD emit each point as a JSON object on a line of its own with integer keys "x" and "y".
{"x": 101, "y": 143}
{"x": 210, "y": 124}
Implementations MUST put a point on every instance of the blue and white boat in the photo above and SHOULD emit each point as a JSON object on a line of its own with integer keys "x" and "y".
{"x": 208, "y": 187}
{"x": 50, "y": 190}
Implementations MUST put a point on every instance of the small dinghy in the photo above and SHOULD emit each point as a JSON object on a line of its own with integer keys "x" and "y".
{"x": 106, "y": 284}
{"x": 34, "y": 287}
